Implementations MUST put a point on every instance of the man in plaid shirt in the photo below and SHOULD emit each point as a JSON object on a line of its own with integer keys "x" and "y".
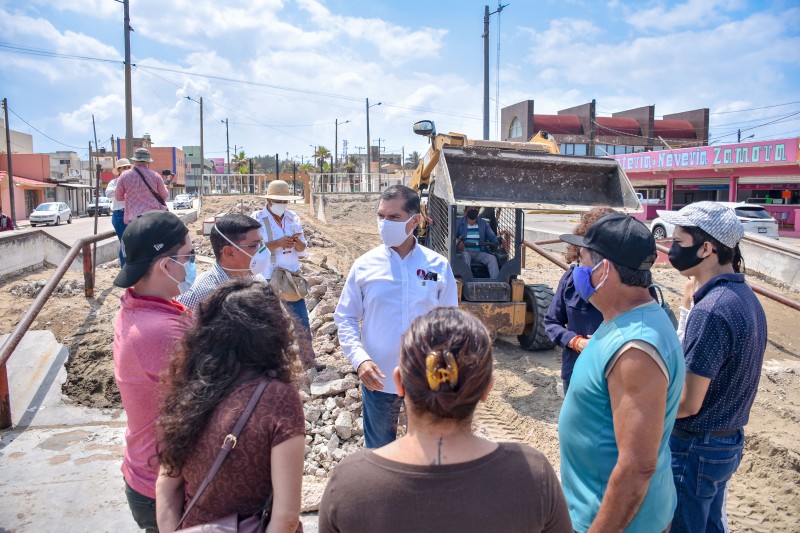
{"x": 132, "y": 188}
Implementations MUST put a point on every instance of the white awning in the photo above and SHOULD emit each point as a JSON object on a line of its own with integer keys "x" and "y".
{"x": 769, "y": 179}
{"x": 76, "y": 186}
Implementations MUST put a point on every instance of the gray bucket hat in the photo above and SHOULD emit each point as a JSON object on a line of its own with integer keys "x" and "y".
{"x": 142, "y": 155}
{"x": 717, "y": 220}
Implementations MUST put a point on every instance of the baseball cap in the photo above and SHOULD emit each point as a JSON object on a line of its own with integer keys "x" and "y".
{"x": 717, "y": 220}
{"x": 145, "y": 238}
{"x": 619, "y": 238}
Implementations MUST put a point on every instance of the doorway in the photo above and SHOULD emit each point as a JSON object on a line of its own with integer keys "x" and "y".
{"x": 31, "y": 201}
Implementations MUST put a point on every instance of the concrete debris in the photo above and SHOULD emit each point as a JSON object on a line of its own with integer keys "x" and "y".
{"x": 32, "y": 289}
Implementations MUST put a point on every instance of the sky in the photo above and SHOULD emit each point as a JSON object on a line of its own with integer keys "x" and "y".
{"x": 284, "y": 72}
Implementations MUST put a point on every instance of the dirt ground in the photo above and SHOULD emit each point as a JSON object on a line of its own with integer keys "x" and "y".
{"x": 524, "y": 405}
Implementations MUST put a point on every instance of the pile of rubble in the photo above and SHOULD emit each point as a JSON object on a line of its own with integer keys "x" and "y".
{"x": 32, "y": 288}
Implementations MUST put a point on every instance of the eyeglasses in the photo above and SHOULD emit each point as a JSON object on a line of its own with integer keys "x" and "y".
{"x": 254, "y": 246}
{"x": 191, "y": 255}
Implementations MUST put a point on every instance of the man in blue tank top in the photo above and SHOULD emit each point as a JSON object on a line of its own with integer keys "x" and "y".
{"x": 725, "y": 340}
{"x": 623, "y": 397}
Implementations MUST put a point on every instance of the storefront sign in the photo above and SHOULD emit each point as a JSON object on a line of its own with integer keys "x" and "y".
{"x": 701, "y": 187}
{"x": 703, "y": 157}
{"x": 769, "y": 186}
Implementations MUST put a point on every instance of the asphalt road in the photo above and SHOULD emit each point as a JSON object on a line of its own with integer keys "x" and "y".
{"x": 80, "y": 227}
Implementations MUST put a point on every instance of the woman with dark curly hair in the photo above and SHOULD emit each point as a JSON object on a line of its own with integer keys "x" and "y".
{"x": 440, "y": 476}
{"x": 571, "y": 320}
{"x": 242, "y": 336}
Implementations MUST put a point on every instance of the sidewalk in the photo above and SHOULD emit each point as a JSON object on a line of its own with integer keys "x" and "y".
{"x": 60, "y": 463}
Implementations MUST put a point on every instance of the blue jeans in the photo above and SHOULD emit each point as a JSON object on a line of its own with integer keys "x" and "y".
{"x": 118, "y": 221}
{"x": 299, "y": 310}
{"x": 143, "y": 509}
{"x": 701, "y": 467}
{"x": 380, "y": 410}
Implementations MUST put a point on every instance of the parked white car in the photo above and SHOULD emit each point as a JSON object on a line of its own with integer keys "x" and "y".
{"x": 50, "y": 213}
{"x": 754, "y": 218}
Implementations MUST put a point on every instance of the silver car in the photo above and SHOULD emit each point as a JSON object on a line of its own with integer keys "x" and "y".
{"x": 754, "y": 218}
{"x": 50, "y": 213}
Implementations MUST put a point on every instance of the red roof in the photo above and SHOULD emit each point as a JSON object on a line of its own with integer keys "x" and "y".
{"x": 674, "y": 129}
{"x": 558, "y": 124}
{"x": 613, "y": 126}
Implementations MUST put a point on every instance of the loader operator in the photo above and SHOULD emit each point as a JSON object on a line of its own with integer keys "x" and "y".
{"x": 472, "y": 232}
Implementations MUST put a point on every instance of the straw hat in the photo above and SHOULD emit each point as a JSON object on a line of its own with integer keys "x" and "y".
{"x": 120, "y": 163}
{"x": 279, "y": 190}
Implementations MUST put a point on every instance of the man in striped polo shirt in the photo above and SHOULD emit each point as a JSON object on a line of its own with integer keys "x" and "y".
{"x": 471, "y": 231}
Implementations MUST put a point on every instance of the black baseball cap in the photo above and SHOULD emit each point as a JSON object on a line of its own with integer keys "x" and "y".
{"x": 145, "y": 238}
{"x": 619, "y": 238}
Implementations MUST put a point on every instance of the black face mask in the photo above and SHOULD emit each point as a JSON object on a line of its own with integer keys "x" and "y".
{"x": 472, "y": 214}
{"x": 684, "y": 257}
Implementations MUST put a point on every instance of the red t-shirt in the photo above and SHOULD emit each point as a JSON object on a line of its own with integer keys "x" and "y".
{"x": 145, "y": 336}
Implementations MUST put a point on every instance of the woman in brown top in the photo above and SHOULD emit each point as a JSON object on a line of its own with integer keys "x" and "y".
{"x": 440, "y": 476}
{"x": 242, "y": 335}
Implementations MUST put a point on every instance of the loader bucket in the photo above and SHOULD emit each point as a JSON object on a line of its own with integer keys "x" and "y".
{"x": 531, "y": 180}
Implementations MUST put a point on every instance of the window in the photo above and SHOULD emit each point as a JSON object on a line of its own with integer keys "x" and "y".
{"x": 515, "y": 130}
{"x": 63, "y": 161}
{"x": 579, "y": 149}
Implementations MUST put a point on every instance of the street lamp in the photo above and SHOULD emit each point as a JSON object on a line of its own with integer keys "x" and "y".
{"x": 369, "y": 155}
{"x": 227, "y": 144}
{"x": 336, "y": 143}
{"x": 202, "y": 156}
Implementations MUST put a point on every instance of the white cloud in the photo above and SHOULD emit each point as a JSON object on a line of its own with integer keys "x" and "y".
{"x": 691, "y": 14}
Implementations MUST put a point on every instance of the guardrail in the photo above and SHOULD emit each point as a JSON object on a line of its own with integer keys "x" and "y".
{"x": 82, "y": 245}
{"x": 758, "y": 289}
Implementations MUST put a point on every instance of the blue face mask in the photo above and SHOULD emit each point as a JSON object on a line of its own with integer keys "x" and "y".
{"x": 582, "y": 278}
{"x": 190, "y": 267}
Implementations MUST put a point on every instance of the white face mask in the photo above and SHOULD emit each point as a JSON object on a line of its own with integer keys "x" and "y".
{"x": 277, "y": 209}
{"x": 393, "y": 233}
{"x": 258, "y": 261}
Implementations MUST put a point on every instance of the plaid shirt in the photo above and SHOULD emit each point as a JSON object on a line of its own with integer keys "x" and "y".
{"x": 205, "y": 285}
{"x": 138, "y": 199}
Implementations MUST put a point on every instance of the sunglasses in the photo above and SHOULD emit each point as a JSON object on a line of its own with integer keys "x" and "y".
{"x": 191, "y": 255}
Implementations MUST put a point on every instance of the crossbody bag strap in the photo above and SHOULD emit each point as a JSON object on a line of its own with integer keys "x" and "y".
{"x": 227, "y": 445}
{"x": 149, "y": 188}
{"x": 268, "y": 227}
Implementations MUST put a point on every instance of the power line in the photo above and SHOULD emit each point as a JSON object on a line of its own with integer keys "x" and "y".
{"x": 43, "y": 133}
{"x": 758, "y": 126}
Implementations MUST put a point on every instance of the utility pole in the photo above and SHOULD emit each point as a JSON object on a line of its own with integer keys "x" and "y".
{"x": 738, "y": 136}
{"x": 592, "y": 127}
{"x": 227, "y": 144}
{"x": 369, "y": 147}
{"x": 13, "y": 213}
{"x": 486, "y": 15}
{"x": 336, "y": 143}
{"x": 277, "y": 168}
{"x": 379, "y": 153}
{"x": 128, "y": 97}
{"x": 202, "y": 156}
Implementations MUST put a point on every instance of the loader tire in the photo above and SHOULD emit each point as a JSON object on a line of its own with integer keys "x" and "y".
{"x": 537, "y": 300}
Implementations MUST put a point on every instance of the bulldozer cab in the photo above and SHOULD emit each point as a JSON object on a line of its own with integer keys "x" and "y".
{"x": 506, "y": 179}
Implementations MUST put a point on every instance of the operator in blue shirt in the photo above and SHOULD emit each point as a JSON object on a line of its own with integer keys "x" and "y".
{"x": 724, "y": 344}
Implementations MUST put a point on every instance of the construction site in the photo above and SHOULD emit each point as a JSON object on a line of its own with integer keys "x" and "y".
{"x": 60, "y": 461}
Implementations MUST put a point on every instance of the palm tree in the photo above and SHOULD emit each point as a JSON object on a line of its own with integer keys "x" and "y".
{"x": 240, "y": 163}
{"x": 413, "y": 159}
{"x": 350, "y": 168}
{"x": 321, "y": 155}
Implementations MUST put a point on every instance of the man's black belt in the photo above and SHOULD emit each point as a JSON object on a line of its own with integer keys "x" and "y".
{"x": 715, "y": 434}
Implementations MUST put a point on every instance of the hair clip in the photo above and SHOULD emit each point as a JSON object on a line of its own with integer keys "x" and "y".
{"x": 438, "y": 375}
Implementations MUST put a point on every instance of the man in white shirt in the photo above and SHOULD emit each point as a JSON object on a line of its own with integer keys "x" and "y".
{"x": 386, "y": 289}
{"x": 283, "y": 235}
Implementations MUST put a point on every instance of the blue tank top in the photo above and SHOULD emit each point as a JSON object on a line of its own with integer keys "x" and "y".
{"x": 586, "y": 426}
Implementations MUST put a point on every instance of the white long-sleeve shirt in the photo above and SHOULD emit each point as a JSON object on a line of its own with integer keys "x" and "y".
{"x": 111, "y": 190}
{"x": 290, "y": 224}
{"x": 383, "y": 294}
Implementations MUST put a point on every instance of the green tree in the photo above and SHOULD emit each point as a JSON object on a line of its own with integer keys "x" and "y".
{"x": 321, "y": 156}
{"x": 413, "y": 159}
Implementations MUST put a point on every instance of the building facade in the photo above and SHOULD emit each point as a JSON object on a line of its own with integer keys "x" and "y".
{"x": 580, "y": 131}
